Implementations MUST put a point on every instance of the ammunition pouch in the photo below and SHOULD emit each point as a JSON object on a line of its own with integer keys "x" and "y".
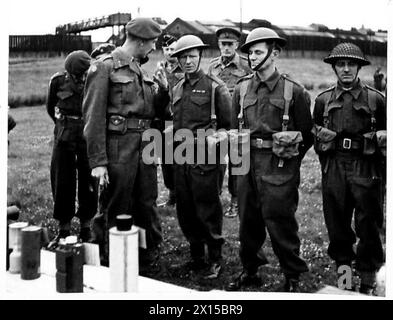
{"x": 324, "y": 139}
{"x": 286, "y": 144}
{"x": 117, "y": 124}
{"x": 381, "y": 141}
{"x": 369, "y": 143}
{"x": 68, "y": 128}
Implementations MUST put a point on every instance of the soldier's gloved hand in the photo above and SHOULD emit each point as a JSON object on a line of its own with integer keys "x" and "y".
{"x": 160, "y": 78}
{"x": 101, "y": 173}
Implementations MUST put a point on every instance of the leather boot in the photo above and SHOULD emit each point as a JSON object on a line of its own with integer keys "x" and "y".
{"x": 245, "y": 279}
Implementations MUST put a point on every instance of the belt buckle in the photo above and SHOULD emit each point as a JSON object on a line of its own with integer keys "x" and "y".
{"x": 259, "y": 143}
{"x": 347, "y": 143}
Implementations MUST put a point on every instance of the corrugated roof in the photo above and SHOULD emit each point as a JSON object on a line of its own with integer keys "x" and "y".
{"x": 381, "y": 36}
{"x": 378, "y": 39}
{"x": 350, "y": 37}
{"x": 307, "y": 31}
{"x": 219, "y": 23}
{"x": 201, "y": 28}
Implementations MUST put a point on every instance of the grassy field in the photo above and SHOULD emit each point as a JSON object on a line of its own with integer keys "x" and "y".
{"x": 28, "y": 181}
{"x": 29, "y": 77}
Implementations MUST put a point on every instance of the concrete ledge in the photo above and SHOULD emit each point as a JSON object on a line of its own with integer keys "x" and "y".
{"x": 96, "y": 279}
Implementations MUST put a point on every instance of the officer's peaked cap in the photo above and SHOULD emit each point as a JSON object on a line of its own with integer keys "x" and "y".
{"x": 262, "y": 35}
{"x": 228, "y": 34}
{"x": 168, "y": 39}
{"x": 77, "y": 62}
{"x": 188, "y": 42}
{"x": 347, "y": 50}
{"x": 102, "y": 48}
{"x": 144, "y": 28}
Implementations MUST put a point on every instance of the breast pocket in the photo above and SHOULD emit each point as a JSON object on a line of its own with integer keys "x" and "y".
{"x": 149, "y": 89}
{"x": 250, "y": 110}
{"x": 361, "y": 117}
{"x": 122, "y": 89}
{"x": 199, "y": 107}
{"x": 63, "y": 95}
{"x": 273, "y": 110}
{"x": 335, "y": 116}
{"x": 67, "y": 100}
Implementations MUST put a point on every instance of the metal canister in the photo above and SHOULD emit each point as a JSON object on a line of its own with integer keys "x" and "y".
{"x": 30, "y": 253}
{"x": 15, "y": 244}
{"x": 69, "y": 265}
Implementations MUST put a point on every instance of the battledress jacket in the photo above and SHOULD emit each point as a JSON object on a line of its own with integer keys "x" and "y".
{"x": 116, "y": 85}
{"x": 264, "y": 108}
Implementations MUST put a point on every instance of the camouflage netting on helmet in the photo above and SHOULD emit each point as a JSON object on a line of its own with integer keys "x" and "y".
{"x": 347, "y": 50}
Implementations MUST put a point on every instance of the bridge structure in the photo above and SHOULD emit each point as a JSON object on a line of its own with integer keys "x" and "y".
{"x": 112, "y": 20}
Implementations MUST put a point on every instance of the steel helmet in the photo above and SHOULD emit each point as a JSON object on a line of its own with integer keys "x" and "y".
{"x": 262, "y": 34}
{"x": 77, "y": 62}
{"x": 186, "y": 43}
{"x": 347, "y": 50}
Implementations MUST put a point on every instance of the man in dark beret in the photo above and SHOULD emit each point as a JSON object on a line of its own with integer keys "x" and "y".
{"x": 229, "y": 67}
{"x": 69, "y": 162}
{"x": 119, "y": 104}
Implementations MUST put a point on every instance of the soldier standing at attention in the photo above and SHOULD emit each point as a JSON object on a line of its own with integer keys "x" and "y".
{"x": 276, "y": 110}
{"x": 69, "y": 157}
{"x": 173, "y": 73}
{"x": 199, "y": 102}
{"x": 119, "y": 104}
{"x": 229, "y": 67}
{"x": 350, "y": 130}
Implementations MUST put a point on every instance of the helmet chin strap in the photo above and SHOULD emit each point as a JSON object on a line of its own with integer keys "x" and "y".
{"x": 256, "y": 68}
{"x": 200, "y": 59}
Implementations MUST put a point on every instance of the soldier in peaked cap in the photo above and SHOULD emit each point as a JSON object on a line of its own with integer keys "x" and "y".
{"x": 69, "y": 164}
{"x": 229, "y": 67}
{"x": 276, "y": 110}
{"x": 101, "y": 50}
{"x": 200, "y": 102}
{"x": 173, "y": 73}
{"x": 119, "y": 104}
{"x": 350, "y": 137}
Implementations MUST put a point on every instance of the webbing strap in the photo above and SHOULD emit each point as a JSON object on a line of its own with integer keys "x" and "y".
{"x": 243, "y": 91}
{"x": 288, "y": 92}
{"x": 326, "y": 110}
{"x": 213, "y": 116}
{"x": 372, "y": 104}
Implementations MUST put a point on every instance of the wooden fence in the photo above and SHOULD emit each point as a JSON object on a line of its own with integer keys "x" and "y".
{"x": 49, "y": 43}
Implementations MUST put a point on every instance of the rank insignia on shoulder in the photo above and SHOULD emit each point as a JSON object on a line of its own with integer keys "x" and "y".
{"x": 199, "y": 91}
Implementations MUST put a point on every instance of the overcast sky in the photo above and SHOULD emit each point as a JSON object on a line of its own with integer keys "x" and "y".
{"x": 42, "y": 16}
